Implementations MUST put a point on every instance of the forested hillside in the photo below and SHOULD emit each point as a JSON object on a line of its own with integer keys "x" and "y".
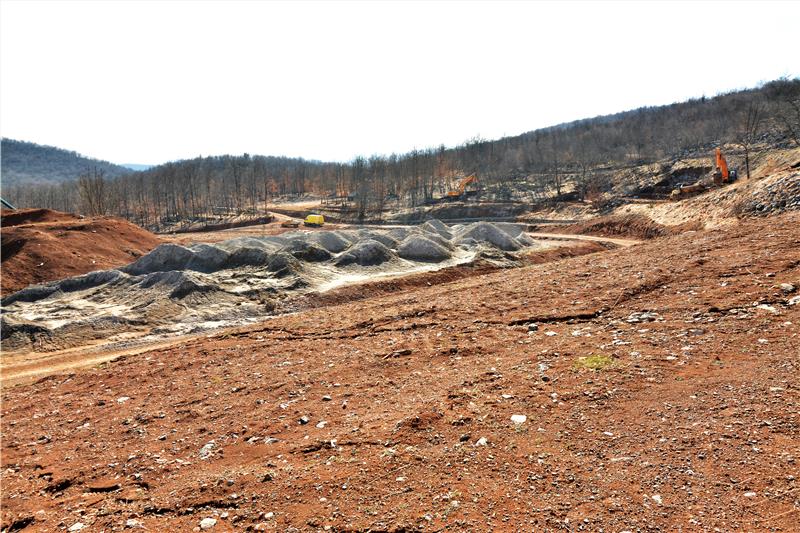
{"x": 28, "y": 163}
{"x": 580, "y": 156}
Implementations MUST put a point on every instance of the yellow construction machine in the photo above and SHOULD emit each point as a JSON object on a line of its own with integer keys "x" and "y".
{"x": 314, "y": 220}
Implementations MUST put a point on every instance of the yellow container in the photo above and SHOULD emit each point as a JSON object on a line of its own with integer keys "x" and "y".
{"x": 314, "y": 220}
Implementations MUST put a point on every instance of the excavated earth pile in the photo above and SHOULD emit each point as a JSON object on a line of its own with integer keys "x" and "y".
{"x": 178, "y": 289}
{"x": 653, "y": 388}
{"x": 41, "y": 245}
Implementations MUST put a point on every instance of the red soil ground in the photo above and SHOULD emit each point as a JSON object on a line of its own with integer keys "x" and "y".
{"x": 393, "y": 413}
{"x": 632, "y": 225}
{"x": 40, "y": 245}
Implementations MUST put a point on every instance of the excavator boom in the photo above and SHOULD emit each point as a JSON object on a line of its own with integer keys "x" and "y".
{"x": 462, "y": 186}
{"x": 722, "y": 165}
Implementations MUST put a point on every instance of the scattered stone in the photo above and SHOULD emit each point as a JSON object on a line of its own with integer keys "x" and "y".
{"x": 208, "y": 523}
{"x": 133, "y": 524}
{"x": 657, "y": 498}
{"x": 122, "y": 399}
{"x": 518, "y": 419}
{"x": 77, "y": 526}
{"x": 750, "y": 494}
{"x": 326, "y": 398}
{"x": 788, "y": 287}
{"x": 398, "y": 353}
{"x": 304, "y": 420}
{"x": 644, "y": 316}
{"x": 207, "y": 449}
{"x": 322, "y": 424}
{"x": 482, "y": 441}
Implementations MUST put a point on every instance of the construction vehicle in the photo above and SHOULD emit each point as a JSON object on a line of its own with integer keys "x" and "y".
{"x": 289, "y": 223}
{"x": 721, "y": 173}
{"x": 721, "y": 176}
{"x": 314, "y": 220}
{"x": 461, "y": 190}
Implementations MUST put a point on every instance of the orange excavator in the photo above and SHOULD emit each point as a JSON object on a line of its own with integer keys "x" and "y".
{"x": 722, "y": 175}
{"x": 462, "y": 187}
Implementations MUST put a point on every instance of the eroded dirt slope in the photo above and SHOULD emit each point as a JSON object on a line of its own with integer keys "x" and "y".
{"x": 40, "y": 245}
{"x": 394, "y": 414}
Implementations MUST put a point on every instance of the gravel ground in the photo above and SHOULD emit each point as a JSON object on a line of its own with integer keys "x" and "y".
{"x": 652, "y": 388}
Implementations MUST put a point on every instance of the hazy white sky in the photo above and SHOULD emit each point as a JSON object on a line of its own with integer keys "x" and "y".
{"x": 148, "y": 82}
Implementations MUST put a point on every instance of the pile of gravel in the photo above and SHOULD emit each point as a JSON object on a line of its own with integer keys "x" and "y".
{"x": 437, "y": 227}
{"x": 247, "y": 256}
{"x": 208, "y": 258}
{"x": 331, "y": 241}
{"x": 163, "y": 258}
{"x": 383, "y": 238}
{"x": 365, "y": 253}
{"x": 306, "y": 250}
{"x": 419, "y": 248}
{"x": 399, "y": 234}
{"x": 488, "y": 233}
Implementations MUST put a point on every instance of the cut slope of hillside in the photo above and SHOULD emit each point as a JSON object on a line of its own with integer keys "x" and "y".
{"x": 652, "y": 388}
{"x": 40, "y": 245}
{"x": 27, "y": 163}
{"x": 774, "y": 187}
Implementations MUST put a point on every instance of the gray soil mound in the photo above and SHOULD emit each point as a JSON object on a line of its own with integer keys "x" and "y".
{"x": 515, "y": 230}
{"x": 247, "y": 256}
{"x": 438, "y": 239}
{"x": 488, "y": 233}
{"x": 419, "y": 248}
{"x": 164, "y": 258}
{"x": 349, "y": 235}
{"x": 438, "y": 227}
{"x": 382, "y": 238}
{"x": 283, "y": 264}
{"x": 331, "y": 241}
{"x": 307, "y": 251}
{"x": 77, "y": 283}
{"x": 399, "y": 234}
{"x": 365, "y": 253}
{"x": 208, "y": 258}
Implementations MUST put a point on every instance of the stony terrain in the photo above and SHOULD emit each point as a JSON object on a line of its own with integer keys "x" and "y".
{"x": 648, "y": 388}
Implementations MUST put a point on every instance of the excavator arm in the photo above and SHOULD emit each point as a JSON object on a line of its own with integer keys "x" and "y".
{"x": 722, "y": 165}
{"x": 462, "y": 186}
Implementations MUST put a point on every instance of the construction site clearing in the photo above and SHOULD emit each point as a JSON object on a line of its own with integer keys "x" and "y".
{"x": 631, "y": 372}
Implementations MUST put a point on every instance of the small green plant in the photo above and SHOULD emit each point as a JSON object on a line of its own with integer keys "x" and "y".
{"x": 594, "y": 362}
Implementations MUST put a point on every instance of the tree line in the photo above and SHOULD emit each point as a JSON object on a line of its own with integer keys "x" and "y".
{"x": 581, "y": 155}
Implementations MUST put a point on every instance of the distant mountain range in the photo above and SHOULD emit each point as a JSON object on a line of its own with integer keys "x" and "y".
{"x": 136, "y": 167}
{"x": 25, "y": 163}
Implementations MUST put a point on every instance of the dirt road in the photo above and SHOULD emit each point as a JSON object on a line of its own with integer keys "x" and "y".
{"x": 589, "y": 238}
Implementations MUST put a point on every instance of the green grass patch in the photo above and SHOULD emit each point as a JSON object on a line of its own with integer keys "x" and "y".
{"x": 594, "y": 362}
